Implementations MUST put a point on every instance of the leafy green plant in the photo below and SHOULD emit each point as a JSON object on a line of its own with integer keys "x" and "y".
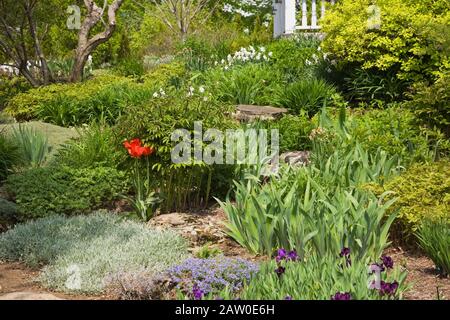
{"x": 369, "y": 86}
{"x": 328, "y": 277}
{"x": 246, "y": 84}
{"x": 33, "y": 146}
{"x": 9, "y": 156}
{"x": 103, "y": 97}
{"x": 294, "y": 131}
{"x": 181, "y": 185}
{"x": 94, "y": 246}
{"x": 145, "y": 200}
{"x": 306, "y": 217}
{"x": 422, "y": 193}
{"x": 94, "y": 146}
{"x": 8, "y": 213}
{"x": 431, "y": 103}
{"x": 434, "y": 239}
{"x": 309, "y": 95}
{"x": 48, "y": 191}
{"x": 11, "y": 87}
{"x": 208, "y": 251}
{"x": 322, "y": 204}
{"x": 290, "y": 56}
{"x": 418, "y": 53}
{"x": 395, "y": 130}
{"x": 130, "y": 67}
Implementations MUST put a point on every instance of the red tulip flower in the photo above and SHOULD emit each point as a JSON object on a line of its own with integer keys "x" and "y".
{"x": 136, "y": 149}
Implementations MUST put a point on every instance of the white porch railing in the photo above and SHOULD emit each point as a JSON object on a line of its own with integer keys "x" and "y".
{"x": 285, "y": 15}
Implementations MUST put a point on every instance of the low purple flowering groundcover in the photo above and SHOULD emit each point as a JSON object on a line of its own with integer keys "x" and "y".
{"x": 203, "y": 276}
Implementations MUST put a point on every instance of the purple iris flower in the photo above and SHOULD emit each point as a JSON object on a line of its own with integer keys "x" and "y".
{"x": 280, "y": 270}
{"x": 388, "y": 262}
{"x": 292, "y": 255}
{"x": 345, "y": 252}
{"x": 341, "y": 296}
{"x": 374, "y": 267}
{"x": 288, "y": 298}
{"x": 387, "y": 288}
{"x": 281, "y": 254}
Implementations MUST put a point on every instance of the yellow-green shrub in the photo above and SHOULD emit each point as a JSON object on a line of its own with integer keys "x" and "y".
{"x": 103, "y": 97}
{"x": 423, "y": 193}
{"x": 25, "y": 106}
{"x": 412, "y": 37}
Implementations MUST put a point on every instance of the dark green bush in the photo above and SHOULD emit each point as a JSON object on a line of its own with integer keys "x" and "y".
{"x": 309, "y": 95}
{"x": 431, "y": 104}
{"x": 9, "y": 156}
{"x": 130, "y": 67}
{"x": 294, "y": 132}
{"x": 289, "y": 56}
{"x": 62, "y": 190}
{"x": 395, "y": 130}
{"x": 180, "y": 185}
{"x": 95, "y": 146}
{"x": 8, "y": 213}
{"x": 372, "y": 86}
{"x": 247, "y": 84}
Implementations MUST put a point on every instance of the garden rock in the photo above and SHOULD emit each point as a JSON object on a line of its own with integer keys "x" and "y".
{"x": 296, "y": 158}
{"x": 197, "y": 228}
{"x": 249, "y": 113}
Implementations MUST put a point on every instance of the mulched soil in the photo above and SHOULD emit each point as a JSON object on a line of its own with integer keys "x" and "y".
{"x": 206, "y": 228}
{"x": 426, "y": 282}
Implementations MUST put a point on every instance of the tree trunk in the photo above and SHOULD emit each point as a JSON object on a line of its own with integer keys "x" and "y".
{"x": 87, "y": 45}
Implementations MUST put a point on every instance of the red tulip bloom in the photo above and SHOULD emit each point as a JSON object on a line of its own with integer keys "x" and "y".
{"x": 136, "y": 149}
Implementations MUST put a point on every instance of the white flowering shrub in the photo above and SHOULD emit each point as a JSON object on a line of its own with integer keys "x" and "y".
{"x": 245, "y": 55}
{"x": 247, "y": 8}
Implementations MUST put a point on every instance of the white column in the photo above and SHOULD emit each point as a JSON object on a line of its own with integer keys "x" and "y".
{"x": 304, "y": 14}
{"x": 313, "y": 14}
{"x": 278, "y": 21}
{"x": 322, "y": 9}
{"x": 290, "y": 20}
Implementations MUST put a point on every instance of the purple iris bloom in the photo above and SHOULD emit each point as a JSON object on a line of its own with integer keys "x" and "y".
{"x": 387, "y": 288}
{"x": 345, "y": 252}
{"x": 280, "y": 270}
{"x": 388, "y": 262}
{"x": 292, "y": 255}
{"x": 288, "y": 298}
{"x": 374, "y": 267}
{"x": 341, "y": 296}
{"x": 281, "y": 254}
